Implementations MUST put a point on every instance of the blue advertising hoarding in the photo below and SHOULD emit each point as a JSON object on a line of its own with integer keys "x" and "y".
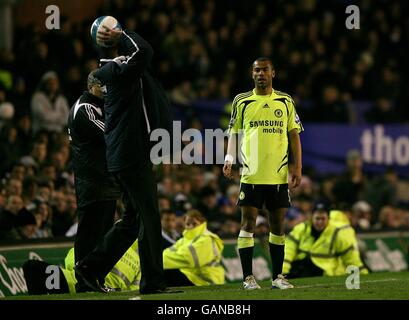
{"x": 325, "y": 146}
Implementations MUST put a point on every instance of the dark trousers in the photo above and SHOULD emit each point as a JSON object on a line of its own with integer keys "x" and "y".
{"x": 304, "y": 268}
{"x": 176, "y": 278}
{"x": 140, "y": 221}
{"x": 94, "y": 221}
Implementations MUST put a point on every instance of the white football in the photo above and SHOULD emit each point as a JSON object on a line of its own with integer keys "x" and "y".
{"x": 104, "y": 21}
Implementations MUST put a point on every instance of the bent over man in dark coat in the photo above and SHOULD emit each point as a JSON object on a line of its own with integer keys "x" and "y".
{"x": 96, "y": 189}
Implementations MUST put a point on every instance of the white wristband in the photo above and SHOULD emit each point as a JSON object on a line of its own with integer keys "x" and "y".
{"x": 229, "y": 158}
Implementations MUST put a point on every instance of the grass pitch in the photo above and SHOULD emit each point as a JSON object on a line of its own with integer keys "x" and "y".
{"x": 376, "y": 286}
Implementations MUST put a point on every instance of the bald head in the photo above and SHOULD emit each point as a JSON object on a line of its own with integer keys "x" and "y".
{"x": 94, "y": 85}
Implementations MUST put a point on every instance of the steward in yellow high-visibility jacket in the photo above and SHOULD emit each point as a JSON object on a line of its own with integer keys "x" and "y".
{"x": 125, "y": 275}
{"x": 320, "y": 247}
{"x": 197, "y": 255}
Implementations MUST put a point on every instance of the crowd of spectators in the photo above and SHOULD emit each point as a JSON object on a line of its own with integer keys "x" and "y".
{"x": 37, "y": 198}
{"x": 203, "y": 50}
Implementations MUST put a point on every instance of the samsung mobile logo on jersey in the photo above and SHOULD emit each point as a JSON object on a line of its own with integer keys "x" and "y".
{"x": 273, "y": 125}
{"x": 266, "y": 123}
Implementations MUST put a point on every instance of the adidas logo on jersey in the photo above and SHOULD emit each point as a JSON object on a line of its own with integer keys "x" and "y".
{"x": 266, "y": 106}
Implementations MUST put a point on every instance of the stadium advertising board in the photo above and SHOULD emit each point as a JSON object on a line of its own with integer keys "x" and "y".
{"x": 387, "y": 251}
{"x": 325, "y": 146}
{"x": 12, "y": 258}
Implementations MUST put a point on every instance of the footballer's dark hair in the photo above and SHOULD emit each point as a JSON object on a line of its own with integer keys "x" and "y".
{"x": 262, "y": 59}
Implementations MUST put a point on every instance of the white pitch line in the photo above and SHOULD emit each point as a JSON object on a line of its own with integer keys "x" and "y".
{"x": 384, "y": 280}
{"x": 342, "y": 284}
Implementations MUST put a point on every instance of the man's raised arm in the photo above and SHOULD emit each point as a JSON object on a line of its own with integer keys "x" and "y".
{"x": 134, "y": 55}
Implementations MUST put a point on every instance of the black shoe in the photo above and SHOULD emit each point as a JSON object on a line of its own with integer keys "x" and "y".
{"x": 82, "y": 287}
{"x": 90, "y": 279}
{"x": 156, "y": 291}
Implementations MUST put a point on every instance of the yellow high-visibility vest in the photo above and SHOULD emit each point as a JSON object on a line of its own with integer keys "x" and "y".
{"x": 333, "y": 251}
{"x": 198, "y": 256}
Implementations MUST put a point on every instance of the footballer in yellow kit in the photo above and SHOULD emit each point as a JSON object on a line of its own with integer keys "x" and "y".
{"x": 269, "y": 125}
{"x": 265, "y": 121}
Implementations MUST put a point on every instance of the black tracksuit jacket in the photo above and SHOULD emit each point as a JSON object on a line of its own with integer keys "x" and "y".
{"x": 86, "y": 126}
{"x": 135, "y": 104}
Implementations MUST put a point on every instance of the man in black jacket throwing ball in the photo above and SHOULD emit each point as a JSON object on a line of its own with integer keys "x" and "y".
{"x": 134, "y": 105}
